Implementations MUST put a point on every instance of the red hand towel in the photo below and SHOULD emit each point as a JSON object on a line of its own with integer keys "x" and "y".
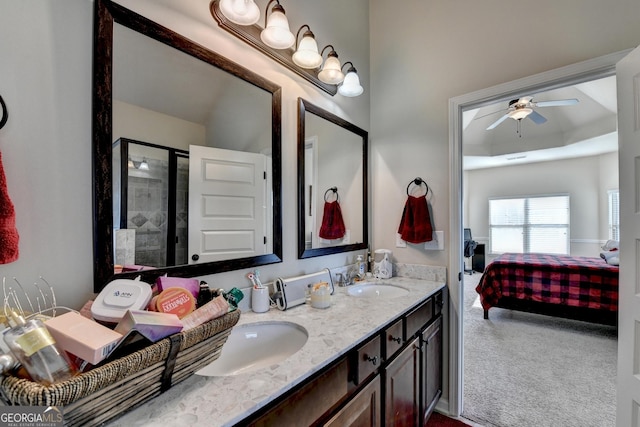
{"x": 332, "y": 223}
{"x": 415, "y": 225}
{"x": 8, "y": 231}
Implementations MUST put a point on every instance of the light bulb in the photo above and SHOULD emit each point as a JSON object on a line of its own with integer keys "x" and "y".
{"x": 241, "y": 12}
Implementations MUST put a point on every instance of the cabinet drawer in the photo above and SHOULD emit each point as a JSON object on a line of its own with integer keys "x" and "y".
{"x": 368, "y": 360}
{"x": 393, "y": 339}
{"x": 418, "y": 318}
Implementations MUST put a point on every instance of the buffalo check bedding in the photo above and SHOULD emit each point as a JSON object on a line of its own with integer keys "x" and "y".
{"x": 549, "y": 278}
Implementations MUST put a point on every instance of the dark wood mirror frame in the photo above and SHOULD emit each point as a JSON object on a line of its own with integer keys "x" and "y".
{"x": 303, "y": 108}
{"x": 106, "y": 14}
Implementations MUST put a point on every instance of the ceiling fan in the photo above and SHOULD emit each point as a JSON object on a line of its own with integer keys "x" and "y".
{"x": 524, "y": 107}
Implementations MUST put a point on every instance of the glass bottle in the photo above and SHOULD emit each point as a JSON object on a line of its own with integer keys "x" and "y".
{"x": 33, "y": 346}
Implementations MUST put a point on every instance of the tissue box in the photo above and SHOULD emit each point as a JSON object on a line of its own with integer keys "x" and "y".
{"x": 82, "y": 337}
{"x": 151, "y": 325}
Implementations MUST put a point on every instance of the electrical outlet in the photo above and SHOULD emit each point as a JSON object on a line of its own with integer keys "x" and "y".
{"x": 437, "y": 244}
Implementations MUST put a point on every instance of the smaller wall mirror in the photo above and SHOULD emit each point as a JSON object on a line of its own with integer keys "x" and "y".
{"x": 332, "y": 183}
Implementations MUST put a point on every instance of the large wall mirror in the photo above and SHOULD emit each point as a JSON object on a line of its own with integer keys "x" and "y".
{"x": 332, "y": 183}
{"x": 187, "y": 155}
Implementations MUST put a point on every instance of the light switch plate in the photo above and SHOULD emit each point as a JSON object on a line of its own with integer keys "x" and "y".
{"x": 399, "y": 242}
{"x": 437, "y": 244}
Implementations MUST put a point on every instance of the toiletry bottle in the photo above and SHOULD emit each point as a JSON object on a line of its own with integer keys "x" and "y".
{"x": 31, "y": 343}
{"x": 362, "y": 268}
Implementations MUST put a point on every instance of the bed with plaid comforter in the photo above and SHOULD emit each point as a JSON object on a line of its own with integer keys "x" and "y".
{"x": 577, "y": 287}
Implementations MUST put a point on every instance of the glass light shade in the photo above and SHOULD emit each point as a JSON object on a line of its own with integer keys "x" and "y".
{"x": 277, "y": 34}
{"x": 241, "y": 12}
{"x": 520, "y": 113}
{"x": 144, "y": 165}
{"x": 331, "y": 72}
{"x": 351, "y": 85}
{"x": 307, "y": 55}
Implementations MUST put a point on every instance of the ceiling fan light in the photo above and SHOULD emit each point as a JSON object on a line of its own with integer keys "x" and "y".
{"x": 520, "y": 113}
{"x": 277, "y": 34}
{"x": 241, "y": 12}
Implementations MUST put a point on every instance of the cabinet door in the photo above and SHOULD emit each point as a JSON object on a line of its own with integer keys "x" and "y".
{"x": 431, "y": 367}
{"x": 402, "y": 387}
{"x": 361, "y": 411}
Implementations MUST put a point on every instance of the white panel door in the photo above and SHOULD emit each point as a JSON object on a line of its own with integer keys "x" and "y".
{"x": 628, "y": 77}
{"x": 227, "y": 204}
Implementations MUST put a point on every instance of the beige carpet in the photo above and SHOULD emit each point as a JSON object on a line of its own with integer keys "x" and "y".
{"x": 529, "y": 370}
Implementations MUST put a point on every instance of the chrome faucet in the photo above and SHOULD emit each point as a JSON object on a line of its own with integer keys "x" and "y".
{"x": 346, "y": 279}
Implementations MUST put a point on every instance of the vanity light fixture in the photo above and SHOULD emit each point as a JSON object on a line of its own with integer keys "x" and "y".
{"x": 351, "y": 85}
{"x": 306, "y": 54}
{"x": 276, "y": 33}
{"x": 241, "y": 12}
{"x": 277, "y": 42}
{"x": 143, "y": 165}
{"x": 331, "y": 70}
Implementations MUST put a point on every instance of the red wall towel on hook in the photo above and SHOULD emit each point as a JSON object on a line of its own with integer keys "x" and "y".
{"x": 415, "y": 225}
{"x": 332, "y": 223}
{"x": 8, "y": 230}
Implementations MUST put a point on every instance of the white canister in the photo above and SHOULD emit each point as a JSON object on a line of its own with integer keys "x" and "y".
{"x": 382, "y": 266}
{"x": 260, "y": 300}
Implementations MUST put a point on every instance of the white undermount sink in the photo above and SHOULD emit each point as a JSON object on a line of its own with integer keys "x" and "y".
{"x": 254, "y": 346}
{"x": 373, "y": 290}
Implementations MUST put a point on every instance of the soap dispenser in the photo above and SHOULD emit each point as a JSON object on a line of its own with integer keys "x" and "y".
{"x": 362, "y": 267}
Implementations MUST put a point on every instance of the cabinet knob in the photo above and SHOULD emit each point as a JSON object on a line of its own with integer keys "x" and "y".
{"x": 398, "y": 339}
{"x": 373, "y": 359}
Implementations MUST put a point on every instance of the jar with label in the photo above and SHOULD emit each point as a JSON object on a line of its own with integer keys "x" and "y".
{"x": 31, "y": 343}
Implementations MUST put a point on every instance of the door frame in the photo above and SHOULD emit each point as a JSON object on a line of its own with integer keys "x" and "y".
{"x": 572, "y": 74}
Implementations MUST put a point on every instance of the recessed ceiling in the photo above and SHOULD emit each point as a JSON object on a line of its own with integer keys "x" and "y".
{"x": 587, "y": 128}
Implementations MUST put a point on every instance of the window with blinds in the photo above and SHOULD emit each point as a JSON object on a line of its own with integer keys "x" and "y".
{"x": 529, "y": 224}
{"x": 614, "y": 214}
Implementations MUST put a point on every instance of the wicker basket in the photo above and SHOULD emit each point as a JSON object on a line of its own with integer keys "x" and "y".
{"x": 104, "y": 393}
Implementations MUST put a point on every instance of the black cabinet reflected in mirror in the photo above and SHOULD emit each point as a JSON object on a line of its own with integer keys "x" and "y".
{"x": 332, "y": 183}
{"x": 154, "y": 85}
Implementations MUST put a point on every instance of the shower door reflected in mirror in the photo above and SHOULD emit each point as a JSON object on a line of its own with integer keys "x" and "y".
{"x": 150, "y": 206}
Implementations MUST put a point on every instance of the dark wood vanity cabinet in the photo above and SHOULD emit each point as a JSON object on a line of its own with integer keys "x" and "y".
{"x": 402, "y": 387}
{"x": 413, "y": 379}
{"x": 394, "y": 378}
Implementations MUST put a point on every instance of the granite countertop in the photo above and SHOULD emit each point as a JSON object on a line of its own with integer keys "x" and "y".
{"x": 224, "y": 401}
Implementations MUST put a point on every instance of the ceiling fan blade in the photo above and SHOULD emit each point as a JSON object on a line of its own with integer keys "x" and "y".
{"x": 537, "y": 117}
{"x": 497, "y": 122}
{"x": 489, "y": 114}
{"x": 559, "y": 102}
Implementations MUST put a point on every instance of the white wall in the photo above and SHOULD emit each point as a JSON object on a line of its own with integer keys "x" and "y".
{"x": 45, "y": 71}
{"x": 424, "y": 53}
{"x": 586, "y": 181}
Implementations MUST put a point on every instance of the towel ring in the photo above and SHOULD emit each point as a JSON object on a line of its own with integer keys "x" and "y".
{"x": 5, "y": 113}
{"x": 335, "y": 191}
{"x": 418, "y": 181}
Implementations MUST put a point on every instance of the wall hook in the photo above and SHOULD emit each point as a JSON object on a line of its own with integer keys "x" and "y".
{"x": 5, "y": 113}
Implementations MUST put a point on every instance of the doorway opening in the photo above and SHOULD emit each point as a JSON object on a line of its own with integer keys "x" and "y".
{"x": 555, "y": 79}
